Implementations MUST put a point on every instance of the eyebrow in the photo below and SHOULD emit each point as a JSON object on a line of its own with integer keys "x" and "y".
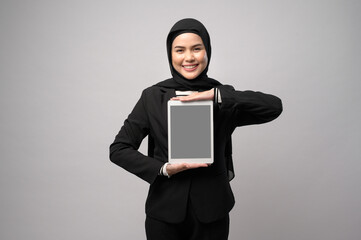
{"x": 197, "y": 45}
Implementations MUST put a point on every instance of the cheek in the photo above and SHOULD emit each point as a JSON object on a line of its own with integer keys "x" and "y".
{"x": 176, "y": 60}
{"x": 204, "y": 58}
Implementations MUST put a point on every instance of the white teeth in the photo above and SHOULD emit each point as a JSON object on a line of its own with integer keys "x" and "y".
{"x": 190, "y": 67}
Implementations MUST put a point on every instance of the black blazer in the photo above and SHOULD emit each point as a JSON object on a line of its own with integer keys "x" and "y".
{"x": 208, "y": 189}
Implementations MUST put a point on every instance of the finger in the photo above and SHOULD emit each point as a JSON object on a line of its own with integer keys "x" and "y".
{"x": 197, "y": 97}
{"x": 178, "y": 98}
{"x": 188, "y": 98}
{"x": 196, "y": 165}
{"x": 179, "y": 167}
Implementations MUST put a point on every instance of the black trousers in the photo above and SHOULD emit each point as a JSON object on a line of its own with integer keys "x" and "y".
{"x": 190, "y": 229}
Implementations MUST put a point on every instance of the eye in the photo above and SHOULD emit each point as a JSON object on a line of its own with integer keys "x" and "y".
{"x": 197, "y": 49}
{"x": 179, "y": 50}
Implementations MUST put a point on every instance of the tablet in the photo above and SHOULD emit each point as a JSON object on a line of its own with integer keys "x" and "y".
{"x": 190, "y": 131}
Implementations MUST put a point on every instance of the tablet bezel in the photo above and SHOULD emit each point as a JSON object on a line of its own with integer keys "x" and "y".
{"x": 190, "y": 160}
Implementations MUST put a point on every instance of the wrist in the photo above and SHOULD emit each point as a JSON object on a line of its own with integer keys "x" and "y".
{"x": 164, "y": 170}
{"x": 210, "y": 94}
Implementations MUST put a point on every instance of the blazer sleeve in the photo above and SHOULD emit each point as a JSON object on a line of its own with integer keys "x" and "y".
{"x": 250, "y": 107}
{"x": 124, "y": 150}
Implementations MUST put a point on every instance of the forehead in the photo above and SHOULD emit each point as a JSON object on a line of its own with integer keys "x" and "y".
{"x": 187, "y": 39}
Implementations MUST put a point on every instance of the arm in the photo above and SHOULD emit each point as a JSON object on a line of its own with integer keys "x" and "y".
{"x": 124, "y": 150}
{"x": 250, "y": 107}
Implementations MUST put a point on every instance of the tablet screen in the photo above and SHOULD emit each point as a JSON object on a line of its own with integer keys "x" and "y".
{"x": 190, "y": 132}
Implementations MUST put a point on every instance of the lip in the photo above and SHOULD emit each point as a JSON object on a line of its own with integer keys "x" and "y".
{"x": 190, "y": 69}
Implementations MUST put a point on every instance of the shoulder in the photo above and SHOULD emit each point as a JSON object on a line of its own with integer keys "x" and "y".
{"x": 155, "y": 91}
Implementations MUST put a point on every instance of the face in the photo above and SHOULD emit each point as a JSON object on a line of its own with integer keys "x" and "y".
{"x": 189, "y": 56}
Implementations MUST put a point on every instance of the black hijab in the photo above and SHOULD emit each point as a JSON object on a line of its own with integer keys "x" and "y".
{"x": 179, "y": 82}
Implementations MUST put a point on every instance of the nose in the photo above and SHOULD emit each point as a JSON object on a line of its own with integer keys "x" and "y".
{"x": 189, "y": 57}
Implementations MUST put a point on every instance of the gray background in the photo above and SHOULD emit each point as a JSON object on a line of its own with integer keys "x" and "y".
{"x": 71, "y": 71}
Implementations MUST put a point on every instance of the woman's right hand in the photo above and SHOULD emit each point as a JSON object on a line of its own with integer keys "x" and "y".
{"x": 175, "y": 168}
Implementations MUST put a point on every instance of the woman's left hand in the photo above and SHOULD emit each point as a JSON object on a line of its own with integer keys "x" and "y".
{"x": 198, "y": 96}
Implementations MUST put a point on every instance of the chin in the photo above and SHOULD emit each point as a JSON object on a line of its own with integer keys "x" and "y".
{"x": 190, "y": 77}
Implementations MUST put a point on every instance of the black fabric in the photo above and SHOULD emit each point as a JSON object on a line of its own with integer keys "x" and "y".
{"x": 190, "y": 229}
{"x": 208, "y": 188}
{"x": 202, "y": 82}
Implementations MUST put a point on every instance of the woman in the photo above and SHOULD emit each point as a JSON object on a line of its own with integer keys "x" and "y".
{"x": 188, "y": 201}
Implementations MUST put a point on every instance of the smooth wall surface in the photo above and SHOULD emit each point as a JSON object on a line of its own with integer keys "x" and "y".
{"x": 71, "y": 71}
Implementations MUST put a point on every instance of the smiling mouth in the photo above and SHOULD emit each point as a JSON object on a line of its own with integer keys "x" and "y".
{"x": 190, "y": 67}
